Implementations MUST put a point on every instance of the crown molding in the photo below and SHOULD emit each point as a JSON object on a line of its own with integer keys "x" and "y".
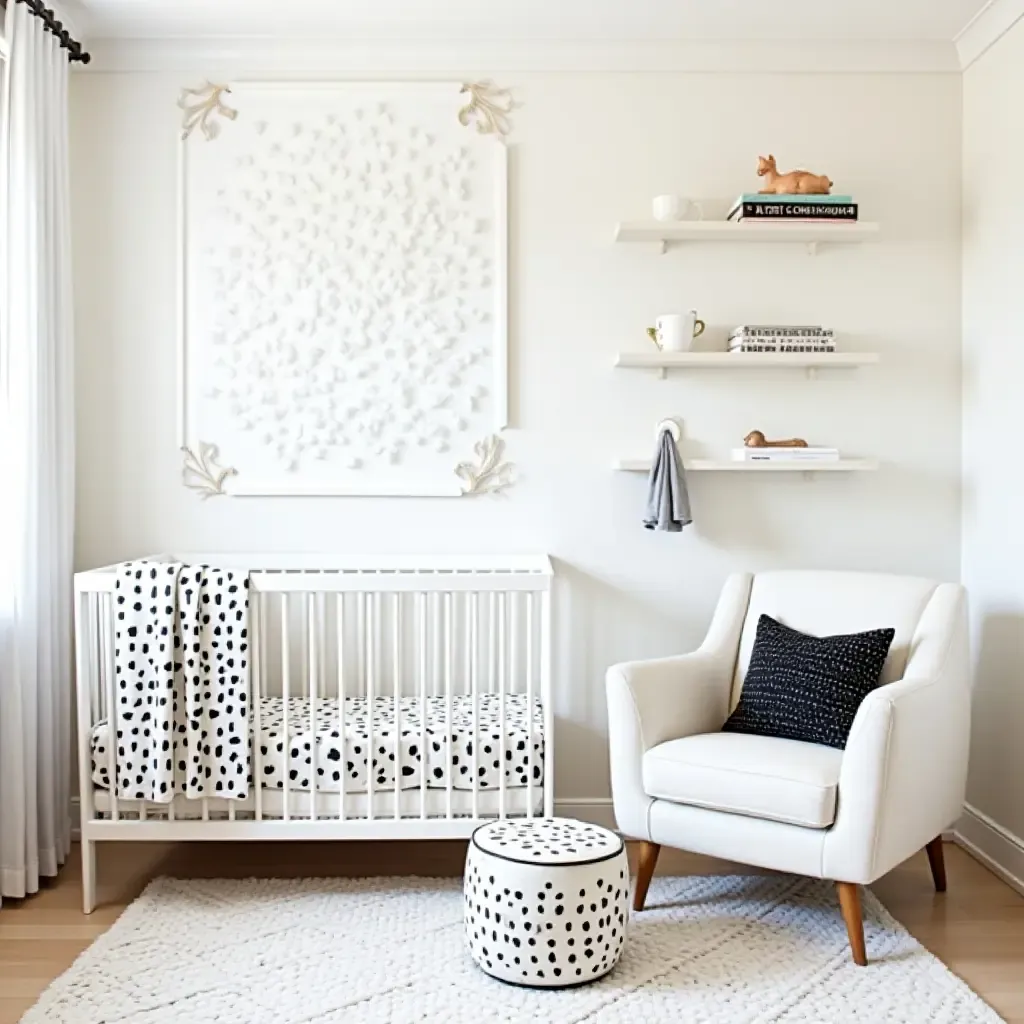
{"x": 337, "y": 57}
{"x": 986, "y": 28}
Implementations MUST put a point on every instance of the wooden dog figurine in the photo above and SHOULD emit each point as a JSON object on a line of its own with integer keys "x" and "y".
{"x": 795, "y": 183}
{"x": 755, "y": 439}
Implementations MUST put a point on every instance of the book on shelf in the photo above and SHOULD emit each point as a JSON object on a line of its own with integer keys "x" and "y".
{"x": 809, "y": 454}
{"x": 791, "y": 197}
{"x": 762, "y": 345}
{"x": 769, "y": 338}
{"x": 795, "y": 212}
{"x": 781, "y": 331}
{"x": 793, "y": 340}
{"x": 753, "y": 345}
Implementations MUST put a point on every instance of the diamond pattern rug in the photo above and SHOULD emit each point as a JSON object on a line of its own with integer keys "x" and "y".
{"x": 390, "y": 950}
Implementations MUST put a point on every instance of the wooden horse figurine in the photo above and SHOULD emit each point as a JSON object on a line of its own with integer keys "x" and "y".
{"x": 755, "y": 439}
{"x": 795, "y": 183}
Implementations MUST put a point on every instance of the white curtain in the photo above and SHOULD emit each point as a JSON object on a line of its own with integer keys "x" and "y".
{"x": 36, "y": 461}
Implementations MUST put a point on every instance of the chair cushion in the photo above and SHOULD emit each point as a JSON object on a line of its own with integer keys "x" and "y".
{"x": 760, "y": 776}
{"x": 801, "y": 687}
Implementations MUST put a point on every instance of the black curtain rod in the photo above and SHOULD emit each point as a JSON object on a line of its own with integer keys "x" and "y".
{"x": 49, "y": 19}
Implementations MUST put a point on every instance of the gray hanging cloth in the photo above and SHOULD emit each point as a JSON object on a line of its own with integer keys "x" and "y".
{"x": 668, "y": 503}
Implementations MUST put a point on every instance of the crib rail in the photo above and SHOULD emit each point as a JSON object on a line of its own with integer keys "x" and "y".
{"x": 435, "y": 672}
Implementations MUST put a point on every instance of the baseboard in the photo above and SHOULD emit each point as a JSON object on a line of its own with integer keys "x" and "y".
{"x": 997, "y": 848}
{"x": 597, "y": 810}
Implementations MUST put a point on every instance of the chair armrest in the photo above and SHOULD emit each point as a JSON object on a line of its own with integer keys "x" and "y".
{"x": 669, "y": 698}
{"x": 904, "y": 771}
{"x": 650, "y": 702}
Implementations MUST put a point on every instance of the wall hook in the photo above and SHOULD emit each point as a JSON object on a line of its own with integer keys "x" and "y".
{"x": 672, "y": 426}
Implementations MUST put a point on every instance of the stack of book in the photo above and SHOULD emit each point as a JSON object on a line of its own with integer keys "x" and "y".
{"x": 781, "y": 338}
{"x": 785, "y": 454}
{"x": 753, "y": 206}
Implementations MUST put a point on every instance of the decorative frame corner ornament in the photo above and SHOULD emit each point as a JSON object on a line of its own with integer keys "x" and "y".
{"x": 209, "y": 100}
{"x": 489, "y": 474}
{"x": 488, "y": 108}
{"x": 201, "y": 473}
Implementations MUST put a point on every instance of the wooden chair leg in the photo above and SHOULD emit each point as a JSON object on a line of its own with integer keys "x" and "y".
{"x": 644, "y": 870}
{"x": 938, "y": 863}
{"x": 849, "y": 901}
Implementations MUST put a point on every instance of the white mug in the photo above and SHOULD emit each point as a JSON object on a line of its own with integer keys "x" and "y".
{"x": 668, "y": 207}
{"x": 674, "y": 332}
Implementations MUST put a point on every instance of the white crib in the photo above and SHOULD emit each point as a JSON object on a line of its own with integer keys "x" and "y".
{"x": 433, "y": 673}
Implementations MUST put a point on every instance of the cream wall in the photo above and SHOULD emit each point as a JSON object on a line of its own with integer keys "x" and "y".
{"x": 993, "y": 547}
{"x": 590, "y": 149}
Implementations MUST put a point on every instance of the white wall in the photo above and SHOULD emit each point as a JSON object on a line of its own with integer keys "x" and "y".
{"x": 993, "y": 548}
{"x": 588, "y": 150}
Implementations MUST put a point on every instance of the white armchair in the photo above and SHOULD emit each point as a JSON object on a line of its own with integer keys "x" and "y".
{"x": 847, "y": 815}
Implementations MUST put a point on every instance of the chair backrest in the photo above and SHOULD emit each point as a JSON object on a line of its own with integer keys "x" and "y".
{"x": 827, "y": 603}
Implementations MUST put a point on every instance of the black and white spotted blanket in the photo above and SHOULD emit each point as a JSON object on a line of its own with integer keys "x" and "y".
{"x": 182, "y": 677}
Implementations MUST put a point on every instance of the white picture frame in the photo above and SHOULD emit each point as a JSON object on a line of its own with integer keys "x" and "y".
{"x": 227, "y": 142}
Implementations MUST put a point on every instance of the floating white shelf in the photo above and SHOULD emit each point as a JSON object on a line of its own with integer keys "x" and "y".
{"x": 810, "y": 361}
{"x": 730, "y": 466}
{"x": 811, "y": 234}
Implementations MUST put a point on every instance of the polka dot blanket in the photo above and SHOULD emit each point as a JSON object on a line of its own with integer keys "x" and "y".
{"x": 181, "y": 674}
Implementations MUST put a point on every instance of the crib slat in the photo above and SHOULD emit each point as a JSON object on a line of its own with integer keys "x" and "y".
{"x": 372, "y": 618}
{"x": 530, "y": 624}
{"x": 361, "y": 639}
{"x": 514, "y": 670}
{"x": 110, "y": 684}
{"x": 86, "y": 705}
{"x": 502, "y": 653}
{"x": 549, "y": 715}
{"x": 286, "y": 686}
{"x": 473, "y": 650}
{"x": 363, "y": 690}
{"x": 339, "y": 625}
{"x": 421, "y": 646}
{"x": 302, "y": 636}
{"x": 449, "y": 748}
{"x": 492, "y": 646}
{"x": 314, "y": 667}
{"x": 256, "y": 694}
{"x": 96, "y": 695}
{"x": 396, "y": 672}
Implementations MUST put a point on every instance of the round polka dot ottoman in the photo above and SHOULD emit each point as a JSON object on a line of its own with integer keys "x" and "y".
{"x": 546, "y": 901}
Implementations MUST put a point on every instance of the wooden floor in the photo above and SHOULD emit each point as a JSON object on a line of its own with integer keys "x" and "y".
{"x": 977, "y": 927}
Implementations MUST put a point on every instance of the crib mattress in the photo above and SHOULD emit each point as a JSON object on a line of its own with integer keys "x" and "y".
{"x": 340, "y": 744}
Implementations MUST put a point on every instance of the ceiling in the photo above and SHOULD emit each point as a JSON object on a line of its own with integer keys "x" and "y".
{"x": 606, "y": 21}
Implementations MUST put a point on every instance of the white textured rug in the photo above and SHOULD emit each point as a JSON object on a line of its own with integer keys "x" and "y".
{"x": 390, "y": 950}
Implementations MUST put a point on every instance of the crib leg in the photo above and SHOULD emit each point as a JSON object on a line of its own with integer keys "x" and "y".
{"x": 88, "y": 876}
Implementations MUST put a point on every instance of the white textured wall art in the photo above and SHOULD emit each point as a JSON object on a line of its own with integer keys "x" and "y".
{"x": 344, "y": 288}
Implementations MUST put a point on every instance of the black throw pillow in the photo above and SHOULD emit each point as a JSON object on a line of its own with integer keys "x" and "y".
{"x": 801, "y": 687}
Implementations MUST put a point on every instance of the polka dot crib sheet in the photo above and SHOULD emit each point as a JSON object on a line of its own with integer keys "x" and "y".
{"x": 406, "y": 738}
